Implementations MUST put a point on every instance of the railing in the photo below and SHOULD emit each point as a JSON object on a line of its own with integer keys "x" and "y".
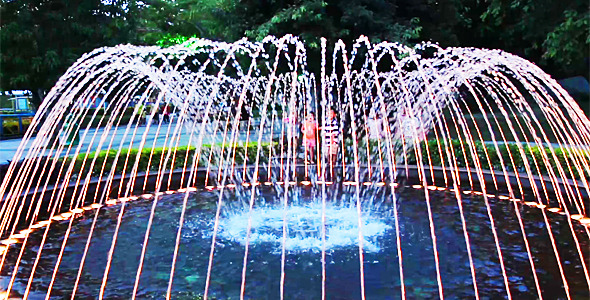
{"x": 20, "y": 117}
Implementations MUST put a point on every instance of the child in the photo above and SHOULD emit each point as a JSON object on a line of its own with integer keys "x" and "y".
{"x": 166, "y": 114}
{"x": 309, "y": 129}
{"x": 330, "y": 130}
{"x": 375, "y": 127}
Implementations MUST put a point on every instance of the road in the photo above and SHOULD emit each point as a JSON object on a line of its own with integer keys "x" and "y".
{"x": 120, "y": 138}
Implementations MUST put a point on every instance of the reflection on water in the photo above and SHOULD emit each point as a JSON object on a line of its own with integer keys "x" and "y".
{"x": 303, "y": 244}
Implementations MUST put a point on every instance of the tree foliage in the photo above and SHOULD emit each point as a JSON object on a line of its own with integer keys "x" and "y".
{"x": 166, "y": 22}
{"x": 312, "y": 19}
{"x": 568, "y": 42}
{"x": 40, "y": 39}
{"x": 553, "y": 34}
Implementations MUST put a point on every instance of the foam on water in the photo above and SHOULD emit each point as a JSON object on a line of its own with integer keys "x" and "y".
{"x": 304, "y": 227}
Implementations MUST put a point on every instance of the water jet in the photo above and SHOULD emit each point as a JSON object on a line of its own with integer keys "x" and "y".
{"x": 475, "y": 185}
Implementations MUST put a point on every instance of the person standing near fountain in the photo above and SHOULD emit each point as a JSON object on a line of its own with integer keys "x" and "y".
{"x": 290, "y": 122}
{"x": 155, "y": 111}
{"x": 375, "y": 130}
{"x": 70, "y": 133}
{"x": 375, "y": 127}
{"x": 166, "y": 113}
{"x": 411, "y": 127}
{"x": 140, "y": 112}
{"x": 245, "y": 116}
{"x": 330, "y": 132}
{"x": 309, "y": 129}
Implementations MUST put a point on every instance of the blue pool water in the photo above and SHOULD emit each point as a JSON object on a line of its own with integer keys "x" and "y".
{"x": 303, "y": 246}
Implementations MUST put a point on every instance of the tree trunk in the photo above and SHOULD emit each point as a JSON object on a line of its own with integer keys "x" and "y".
{"x": 38, "y": 97}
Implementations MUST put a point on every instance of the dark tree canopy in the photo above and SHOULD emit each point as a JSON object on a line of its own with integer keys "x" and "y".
{"x": 166, "y": 22}
{"x": 312, "y": 19}
{"x": 41, "y": 38}
{"x": 553, "y": 34}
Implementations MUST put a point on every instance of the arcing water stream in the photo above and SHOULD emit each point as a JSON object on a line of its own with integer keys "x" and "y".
{"x": 229, "y": 117}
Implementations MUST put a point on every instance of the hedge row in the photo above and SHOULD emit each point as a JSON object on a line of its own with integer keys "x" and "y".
{"x": 509, "y": 153}
{"x": 491, "y": 157}
{"x": 488, "y": 156}
{"x": 152, "y": 158}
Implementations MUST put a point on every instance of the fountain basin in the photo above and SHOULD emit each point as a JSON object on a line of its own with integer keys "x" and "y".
{"x": 147, "y": 182}
{"x": 303, "y": 264}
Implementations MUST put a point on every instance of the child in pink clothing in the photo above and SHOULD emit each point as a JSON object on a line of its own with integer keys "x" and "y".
{"x": 309, "y": 130}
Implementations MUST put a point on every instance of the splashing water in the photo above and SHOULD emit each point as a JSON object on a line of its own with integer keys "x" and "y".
{"x": 304, "y": 227}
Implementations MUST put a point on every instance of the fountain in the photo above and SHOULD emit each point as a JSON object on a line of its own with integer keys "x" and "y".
{"x": 183, "y": 172}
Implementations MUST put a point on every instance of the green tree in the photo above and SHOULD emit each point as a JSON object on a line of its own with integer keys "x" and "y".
{"x": 568, "y": 43}
{"x": 41, "y": 39}
{"x": 437, "y": 19}
{"x": 553, "y": 34}
{"x": 312, "y": 19}
{"x": 166, "y": 22}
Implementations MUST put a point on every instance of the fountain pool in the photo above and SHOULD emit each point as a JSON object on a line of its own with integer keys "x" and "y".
{"x": 303, "y": 257}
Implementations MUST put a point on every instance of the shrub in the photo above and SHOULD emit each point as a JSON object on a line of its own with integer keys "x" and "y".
{"x": 107, "y": 161}
{"x": 540, "y": 160}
